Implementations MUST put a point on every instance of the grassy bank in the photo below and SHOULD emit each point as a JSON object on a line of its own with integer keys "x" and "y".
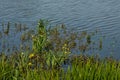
{"x": 32, "y": 67}
{"x": 52, "y": 57}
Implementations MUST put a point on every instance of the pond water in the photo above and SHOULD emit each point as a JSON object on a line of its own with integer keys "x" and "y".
{"x": 89, "y": 15}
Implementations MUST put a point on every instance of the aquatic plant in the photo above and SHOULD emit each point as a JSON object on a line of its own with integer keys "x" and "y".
{"x": 52, "y": 57}
{"x": 82, "y": 67}
{"x": 40, "y": 38}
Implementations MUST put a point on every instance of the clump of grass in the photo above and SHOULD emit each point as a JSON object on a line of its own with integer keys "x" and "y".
{"x": 90, "y": 68}
{"x": 40, "y": 38}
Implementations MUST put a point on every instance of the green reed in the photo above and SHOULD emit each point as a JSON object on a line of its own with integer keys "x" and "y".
{"x": 39, "y": 39}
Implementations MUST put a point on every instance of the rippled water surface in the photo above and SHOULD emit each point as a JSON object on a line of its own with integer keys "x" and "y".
{"x": 80, "y": 15}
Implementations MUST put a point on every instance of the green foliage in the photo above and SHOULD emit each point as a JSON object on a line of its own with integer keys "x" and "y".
{"x": 40, "y": 38}
{"x": 55, "y": 60}
{"x": 51, "y": 52}
{"x": 81, "y": 67}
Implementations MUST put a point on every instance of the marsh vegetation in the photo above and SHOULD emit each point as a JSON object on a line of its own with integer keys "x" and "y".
{"x": 55, "y": 53}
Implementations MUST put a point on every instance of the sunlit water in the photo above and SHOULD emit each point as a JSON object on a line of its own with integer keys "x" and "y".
{"x": 89, "y": 15}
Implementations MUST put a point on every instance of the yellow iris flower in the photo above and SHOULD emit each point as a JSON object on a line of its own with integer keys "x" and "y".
{"x": 31, "y": 55}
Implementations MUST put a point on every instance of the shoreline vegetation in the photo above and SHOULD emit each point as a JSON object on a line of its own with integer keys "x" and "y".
{"x": 55, "y": 54}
